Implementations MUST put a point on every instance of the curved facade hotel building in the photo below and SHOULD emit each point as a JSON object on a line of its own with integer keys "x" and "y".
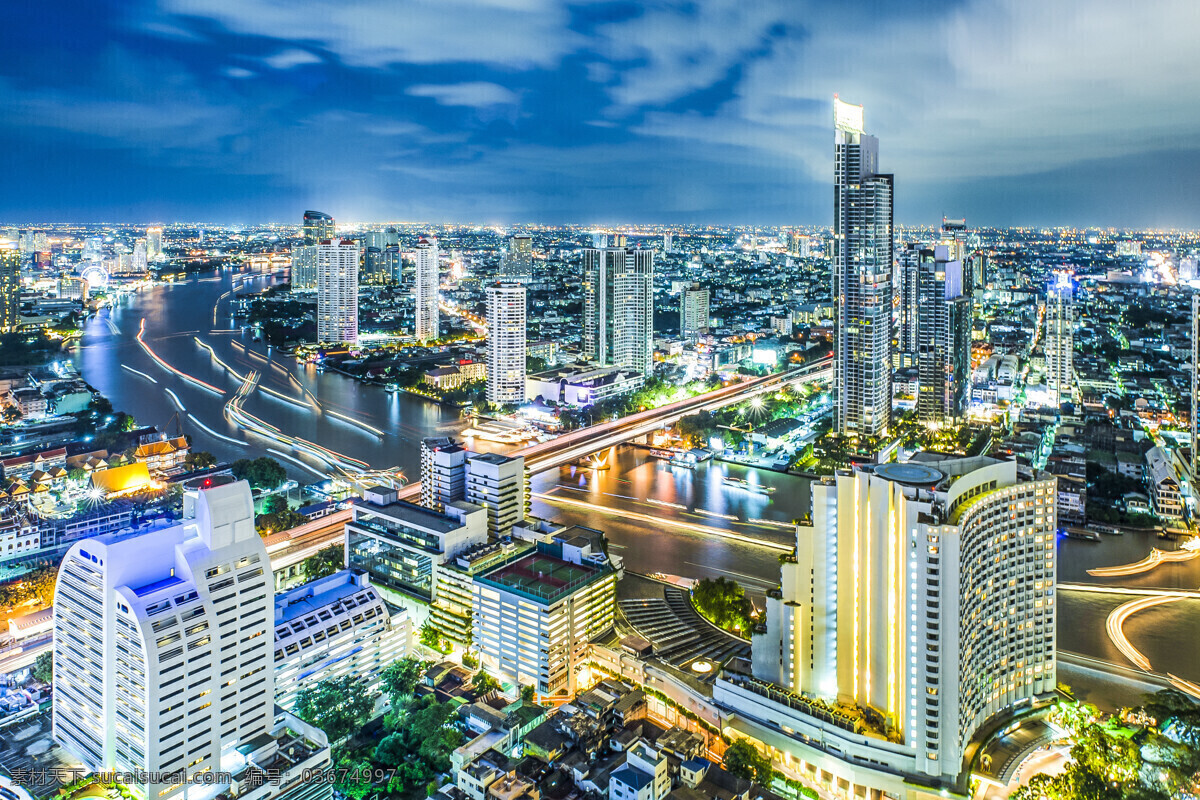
{"x": 917, "y": 614}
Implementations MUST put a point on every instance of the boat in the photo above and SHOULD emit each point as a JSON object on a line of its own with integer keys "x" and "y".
{"x": 742, "y": 483}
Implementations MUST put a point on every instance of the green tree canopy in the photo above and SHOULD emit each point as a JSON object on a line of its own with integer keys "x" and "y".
{"x": 325, "y": 561}
{"x": 338, "y": 706}
{"x": 400, "y": 679}
{"x": 263, "y": 472}
{"x": 43, "y": 668}
{"x": 724, "y": 602}
{"x": 743, "y": 760}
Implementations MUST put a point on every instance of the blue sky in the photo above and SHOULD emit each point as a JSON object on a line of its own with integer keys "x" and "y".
{"x": 689, "y": 111}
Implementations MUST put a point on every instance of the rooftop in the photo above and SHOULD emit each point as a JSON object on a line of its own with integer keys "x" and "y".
{"x": 411, "y": 514}
{"x": 309, "y": 597}
{"x": 541, "y": 576}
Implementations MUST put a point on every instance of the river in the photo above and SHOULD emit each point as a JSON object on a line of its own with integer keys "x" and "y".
{"x": 178, "y": 314}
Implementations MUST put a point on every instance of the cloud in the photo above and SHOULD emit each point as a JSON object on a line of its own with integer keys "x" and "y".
{"x": 375, "y": 33}
{"x": 292, "y": 57}
{"x": 476, "y": 94}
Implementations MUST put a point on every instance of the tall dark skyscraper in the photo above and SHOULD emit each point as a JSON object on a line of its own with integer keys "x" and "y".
{"x": 862, "y": 281}
{"x": 318, "y": 226}
{"x": 10, "y": 289}
{"x": 618, "y": 307}
{"x": 943, "y": 338}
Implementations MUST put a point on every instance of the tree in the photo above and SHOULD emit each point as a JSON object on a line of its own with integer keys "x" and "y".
{"x": 263, "y": 472}
{"x": 77, "y": 474}
{"x": 400, "y": 679}
{"x": 743, "y": 760}
{"x": 200, "y": 459}
{"x": 354, "y": 779}
{"x": 432, "y": 638}
{"x": 325, "y": 561}
{"x": 724, "y": 602}
{"x": 535, "y": 364}
{"x": 338, "y": 706}
{"x": 484, "y": 683}
{"x": 529, "y": 694}
{"x": 420, "y": 746}
{"x": 43, "y": 668}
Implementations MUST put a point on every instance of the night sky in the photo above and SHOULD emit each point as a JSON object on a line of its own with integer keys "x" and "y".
{"x": 1007, "y": 112}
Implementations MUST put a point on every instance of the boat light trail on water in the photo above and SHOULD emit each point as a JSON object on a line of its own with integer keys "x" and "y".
{"x": 687, "y": 526}
{"x": 159, "y": 360}
{"x": 211, "y": 432}
{"x": 174, "y": 397}
{"x": 139, "y": 372}
{"x": 356, "y": 423}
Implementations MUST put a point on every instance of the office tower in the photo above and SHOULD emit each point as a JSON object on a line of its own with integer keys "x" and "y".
{"x": 304, "y": 267}
{"x": 535, "y": 615}
{"x": 1060, "y": 338}
{"x": 425, "y": 290}
{"x": 154, "y": 243}
{"x": 162, "y": 649}
{"x": 599, "y": 240}
{"x": 337, "y": 292}
{"x": 141, "y": 263}
{"x": 71, "y": 287}
{"x": 317, "y": 228}
{"x": 93, "y": 249}
{"x": 25, "y": 242}
{"x": 919, "y": 608}
{"x": 333, "y": 627}
{"x": 124, "y": 262}
{"x": 376, "y": 239}
{"x": 862, "y": 281}
{"x": 443, "y": 472}
{"x": 958, "y": 239}
{"x": 374, "y": 269}
{"x": 668, "y": 242}
{"x": 618, "y": 240}
{"x": 41, "y": 244}
{"x": 518, "y": 261}
{"x": 506, "y": 343}
{"x": 943, "y": 339}
{"x": 10, "y": 289}
{"x": 693, "y": 311}
{"x": 392, "y": 263}
{"x": 908, "y": 270}
{"x": 404, "y": 546}
{"x": 497, "y": 483}
{"x": 618, "y": 308}
{"x": 391, "y": 237}
{"x": 1187, "y": 267}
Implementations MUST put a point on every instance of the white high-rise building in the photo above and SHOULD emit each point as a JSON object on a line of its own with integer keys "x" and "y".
{"x": 693, "y": 311}
{"x": 333, "y": 627}
{"x": 443, "y": 472}
{"x": 425, "y": 290}
{"x": 535, "y": 616}
{"x": 162, "y": 653}
{"x": 337, "y": 292}
{"x": 618, "y": 307}
{"x": 1060, "y": 338}
{"x": 917, "y": 614}
{"x": 497, "y": 483}
{"x": 943, "y": 339}
{"x": 506, "y": 343}
{"x": 862, "y": 282}
{"x": 154, "y": 243}
{"x": 141, "y": 260}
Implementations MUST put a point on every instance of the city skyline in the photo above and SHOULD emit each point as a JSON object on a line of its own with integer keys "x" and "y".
{"x": 693, "y": 115}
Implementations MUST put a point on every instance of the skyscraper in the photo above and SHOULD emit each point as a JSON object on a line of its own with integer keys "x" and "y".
{"x": 425, "y": 290}
{"x": 337, "y": 292}
{"x": 10, "y": 289}
{"x": 618, "y": 307}
{"x": 693, "y": 311}
{"x": 518, "y": 261}
{"x": 919, "y": 609}
{"x": 943, "y": 339}
{"x": 1060, "y": 338}
{"x": 908, "y": 263}
{"x": 153, "y": 243}
{"x": 506, "y": 343}
{"x": 374, "y": 268}
{"x": 318, "y": 227}
{"x": 162, "y": 650}
{"x": 304, "y": 267}
{"x": 862, "y": 280}
{"x": 141, "y": 259}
